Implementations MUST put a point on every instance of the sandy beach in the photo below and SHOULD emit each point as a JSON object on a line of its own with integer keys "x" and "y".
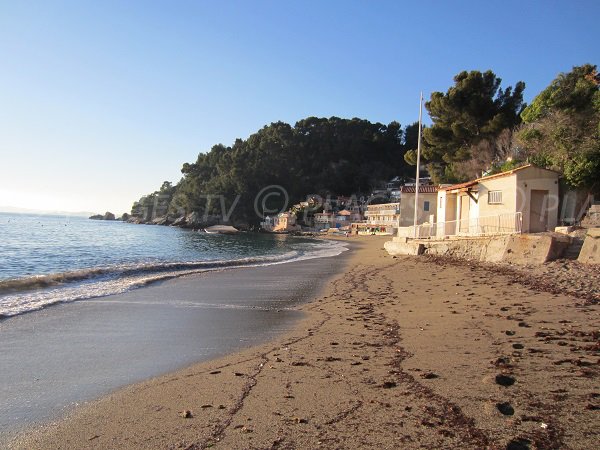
{"x": 394, "y": 353}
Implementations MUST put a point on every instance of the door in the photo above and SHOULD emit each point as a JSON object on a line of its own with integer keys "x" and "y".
{"x": 538, "y": 211}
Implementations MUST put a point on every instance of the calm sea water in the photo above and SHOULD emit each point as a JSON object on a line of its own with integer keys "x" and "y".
{"x": 50, "y": 259}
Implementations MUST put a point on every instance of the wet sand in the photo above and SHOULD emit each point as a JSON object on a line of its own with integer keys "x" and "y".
{"x": 79, "y": 351}
{"x": 396, "y": 353}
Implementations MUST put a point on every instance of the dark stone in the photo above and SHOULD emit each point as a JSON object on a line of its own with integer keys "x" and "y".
{"x": 518, "y": 346}
{"x": 429, "y": 375}
{"x": 518, "y": 444}
{"x": 505, "y": 408}
{"x": 504, "y": 380}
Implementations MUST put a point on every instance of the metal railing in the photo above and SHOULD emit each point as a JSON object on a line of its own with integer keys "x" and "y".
{"x": 477, "y": 226}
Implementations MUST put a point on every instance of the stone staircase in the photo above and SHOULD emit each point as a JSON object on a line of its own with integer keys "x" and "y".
{"x": 592, "y": 217}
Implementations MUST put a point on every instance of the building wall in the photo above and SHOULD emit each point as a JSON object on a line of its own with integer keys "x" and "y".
{"x": 407, "y": 208}
{"x": 506, "y": 185}
{"x": 516, "y": 195}
{"x": 534, "y": 178}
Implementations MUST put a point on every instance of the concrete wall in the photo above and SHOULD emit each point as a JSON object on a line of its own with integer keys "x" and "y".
{"x": 507, "y": 185}
{"x": 534, "y": 178}
{"x": 590, "y": 252}
{"x": 407, "y": 208}
{"x": 516, "y": 249}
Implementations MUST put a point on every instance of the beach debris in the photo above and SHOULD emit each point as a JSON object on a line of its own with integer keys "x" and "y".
{"x": 300, "y": 420}
{"x": 278, "y": 359}
{"x": 238, "y": 374}
{"x": 504, "y": 380}
{"x": 93, "y": 437}
{"x": 519, "y": 444}
{"x": 505, "y": 408}
{"x": 543, "y": 425}
{"x": 214, "y": 372}
{"x": 429, "y": 375}
{"x": 206, "y": 406}
{"x": 299, "y": 363}
{"x": 186, "y": 414}
{"x": 510, "y": 332}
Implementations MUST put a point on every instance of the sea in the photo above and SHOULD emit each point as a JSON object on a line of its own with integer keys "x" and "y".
{"x": 90, "y": 306}
{"x": 45, "y": 260}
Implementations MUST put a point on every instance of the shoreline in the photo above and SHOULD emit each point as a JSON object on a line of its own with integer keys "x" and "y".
{"x": 393, "y": 353}
{"x": 84, "y": 350}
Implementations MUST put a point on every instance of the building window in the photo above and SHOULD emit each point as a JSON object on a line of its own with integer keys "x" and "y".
{"x": 426, "y": 206}
{"x": 494, "y": 197}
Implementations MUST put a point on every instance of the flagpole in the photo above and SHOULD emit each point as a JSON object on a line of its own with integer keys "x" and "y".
{"x": 418, "y": 165}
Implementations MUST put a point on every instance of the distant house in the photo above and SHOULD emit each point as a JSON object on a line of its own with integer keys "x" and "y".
{"x": 282, "y": 223}
{"x": 524, "y": 199}
{"x": 380, "y": 219}
{"x": 324, "y": 220}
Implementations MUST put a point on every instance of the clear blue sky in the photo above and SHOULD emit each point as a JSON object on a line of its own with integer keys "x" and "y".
{"x": 100, "y": 101}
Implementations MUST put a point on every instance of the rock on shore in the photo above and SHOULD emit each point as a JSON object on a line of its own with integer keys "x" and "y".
{"x": 106, "y": 216}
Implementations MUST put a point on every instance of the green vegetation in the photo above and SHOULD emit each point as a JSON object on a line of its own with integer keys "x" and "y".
{"x": 561, "y": 127}
{"x": 478, "y": 127}
{"x": 467, "y": 122}
{"x": 316, "y": 156}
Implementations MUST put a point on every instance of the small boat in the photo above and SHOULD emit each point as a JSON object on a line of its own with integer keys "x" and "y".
{"x": 221, "y": 229}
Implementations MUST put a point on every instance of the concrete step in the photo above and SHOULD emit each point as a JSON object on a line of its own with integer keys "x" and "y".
{"x": 573, "y": 250}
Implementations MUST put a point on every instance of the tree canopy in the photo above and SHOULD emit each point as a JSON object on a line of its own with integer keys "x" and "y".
{"x": 318, "y": 156}
{"x": 475, "y": 109}
{"x": 562, "y": 127}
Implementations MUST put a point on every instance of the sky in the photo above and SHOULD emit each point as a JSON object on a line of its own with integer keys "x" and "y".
{"x": 100, "y": 102}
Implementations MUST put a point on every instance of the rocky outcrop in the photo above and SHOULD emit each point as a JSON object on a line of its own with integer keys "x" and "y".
{"x": 193, "y": 220}
{"x": 107, "y": 216}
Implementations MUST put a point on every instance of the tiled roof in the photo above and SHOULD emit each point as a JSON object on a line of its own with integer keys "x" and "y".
{"x": 425, "y": 189}
{"x": 460, "y": 186}
{"x": 489, "y": 177}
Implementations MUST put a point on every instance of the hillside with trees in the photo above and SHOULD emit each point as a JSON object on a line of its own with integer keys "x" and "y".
{"x": 320, "y": 156}
{"x": 478, "y": 127}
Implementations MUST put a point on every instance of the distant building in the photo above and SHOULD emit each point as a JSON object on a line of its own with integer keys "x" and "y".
{"x": 379, "y": 219}
{"x": 282, "y": 223}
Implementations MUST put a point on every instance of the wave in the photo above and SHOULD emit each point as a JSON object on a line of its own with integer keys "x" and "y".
{"x": 44, "y": 281}
{"x": 23, "y": 295}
